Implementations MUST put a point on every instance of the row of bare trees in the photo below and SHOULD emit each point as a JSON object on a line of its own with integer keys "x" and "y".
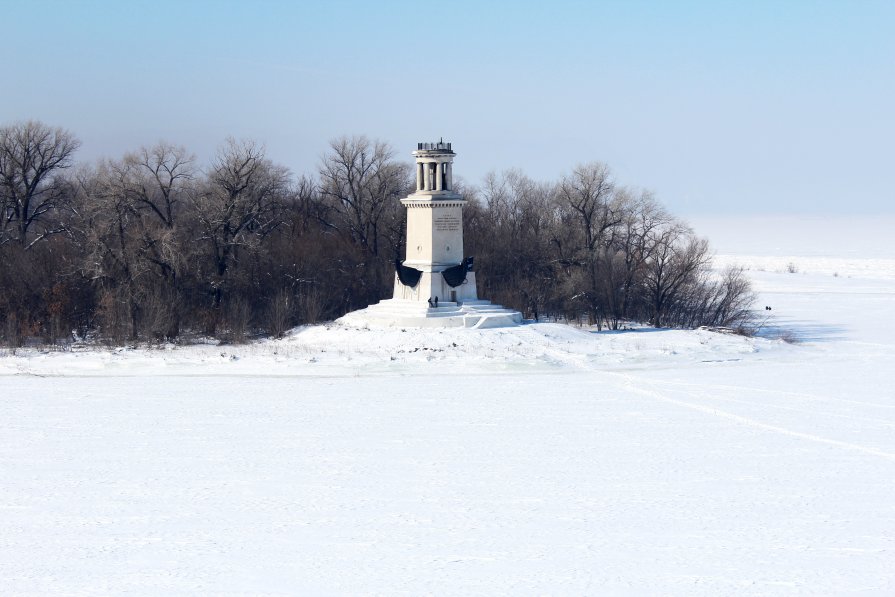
{"x": 585, "y": 249}
{"x": 154, "y": 246}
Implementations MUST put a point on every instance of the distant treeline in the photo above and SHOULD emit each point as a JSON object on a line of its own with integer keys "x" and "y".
{"x": 153, "y": 246}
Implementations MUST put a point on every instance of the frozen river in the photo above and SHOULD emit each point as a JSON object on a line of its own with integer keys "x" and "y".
{"x": 540, "y": 460}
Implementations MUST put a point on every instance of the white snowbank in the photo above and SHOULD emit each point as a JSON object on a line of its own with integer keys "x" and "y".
{"x": 334, "y": 349}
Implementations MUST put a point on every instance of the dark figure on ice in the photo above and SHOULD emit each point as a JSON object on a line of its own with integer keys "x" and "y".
{"x": 436, "y": 302}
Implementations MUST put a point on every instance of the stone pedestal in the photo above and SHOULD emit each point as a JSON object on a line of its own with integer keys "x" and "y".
{"x": 432, "y": 285}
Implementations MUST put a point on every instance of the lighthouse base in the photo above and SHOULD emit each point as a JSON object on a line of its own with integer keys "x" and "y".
{"x": 433, "y": 303}
{"x": 401, "y": 313}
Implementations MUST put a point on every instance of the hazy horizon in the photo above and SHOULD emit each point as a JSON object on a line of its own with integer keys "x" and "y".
{"x": 734, "y": 109}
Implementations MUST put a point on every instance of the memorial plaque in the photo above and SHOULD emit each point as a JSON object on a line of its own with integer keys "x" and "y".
{"x": 447, "y": 223}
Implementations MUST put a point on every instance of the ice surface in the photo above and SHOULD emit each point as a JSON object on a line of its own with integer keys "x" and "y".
{"x": 541, "y": 459}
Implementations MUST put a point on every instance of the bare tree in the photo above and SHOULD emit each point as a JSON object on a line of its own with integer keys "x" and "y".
{"x": 508, "y": 228}
{"x": 112, "y": 243}
{"x": 631, "y": 250}
{"x": 241, "y": 203}
{"x": 591, "y": 209}
{"x": 677, "y": 256}
{"x": 159, "y": 181}
{"x": 163, "y": 173}
{"x": 724, "y": 299}
{"x": 362, "y": 182}
{"x": 31, "y": 156}
{"x": 588, "y": 193}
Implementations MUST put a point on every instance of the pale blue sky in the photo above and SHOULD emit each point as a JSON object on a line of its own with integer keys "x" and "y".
{"x": 719, "y": 107}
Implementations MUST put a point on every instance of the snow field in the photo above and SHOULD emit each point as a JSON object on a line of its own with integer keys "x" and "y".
{"x": 536, "y": 460}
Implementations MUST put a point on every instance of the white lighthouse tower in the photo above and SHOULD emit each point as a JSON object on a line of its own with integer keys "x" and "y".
{"x": 435, "y": 233}
{"x": 435, "y": 284}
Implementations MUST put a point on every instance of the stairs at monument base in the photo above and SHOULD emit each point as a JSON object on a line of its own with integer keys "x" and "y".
{"x": 403, "y": 313}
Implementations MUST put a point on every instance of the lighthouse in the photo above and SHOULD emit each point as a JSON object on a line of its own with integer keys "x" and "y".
{"x": 435, "y": 234}
{"x": 435, "y": 283}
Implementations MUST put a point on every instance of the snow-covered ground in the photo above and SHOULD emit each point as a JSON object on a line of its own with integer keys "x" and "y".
{"x": 541, "y": 459}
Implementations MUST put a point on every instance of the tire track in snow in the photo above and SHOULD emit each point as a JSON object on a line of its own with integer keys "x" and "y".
{"x": 704, "y": 391}
{"x": 802, "y": 395}
{"x": 710, "y": 396}
{"x": 629, "y": 384}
